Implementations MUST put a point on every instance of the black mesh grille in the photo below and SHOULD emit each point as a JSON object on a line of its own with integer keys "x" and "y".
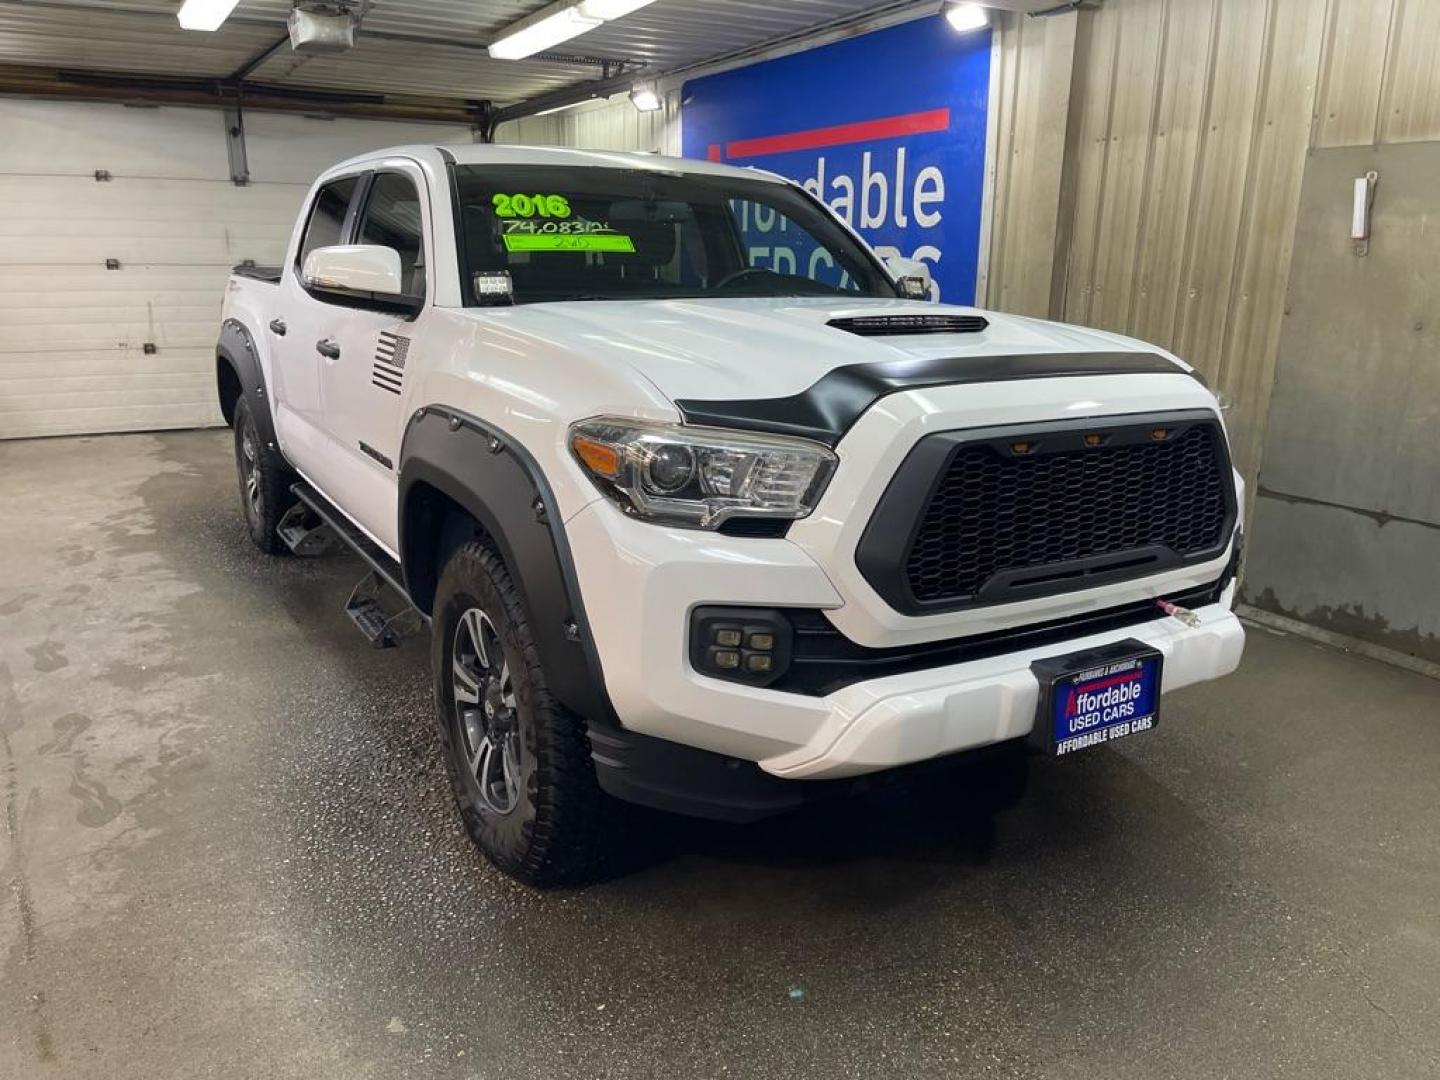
{"x": 995, "y": 512}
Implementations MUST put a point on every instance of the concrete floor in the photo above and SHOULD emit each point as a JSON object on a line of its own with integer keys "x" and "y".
{"x": 230, "y": 852}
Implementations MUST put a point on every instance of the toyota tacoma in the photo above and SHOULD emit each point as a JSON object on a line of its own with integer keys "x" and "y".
{"x": 703, "y": 504}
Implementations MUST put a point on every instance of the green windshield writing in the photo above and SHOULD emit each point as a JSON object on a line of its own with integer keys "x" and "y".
{"x": 568, "y": 242}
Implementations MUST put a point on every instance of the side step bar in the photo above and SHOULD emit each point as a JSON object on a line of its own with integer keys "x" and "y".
{"x": 304, "y": 534}
{"x": 381, "y": 628}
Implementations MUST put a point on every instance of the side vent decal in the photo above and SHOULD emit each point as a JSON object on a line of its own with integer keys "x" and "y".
{"x": 886, "y": 325}
{"x": 388, "y": 372}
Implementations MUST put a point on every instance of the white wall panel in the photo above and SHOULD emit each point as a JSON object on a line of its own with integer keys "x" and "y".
{"x": 72, "y": 334}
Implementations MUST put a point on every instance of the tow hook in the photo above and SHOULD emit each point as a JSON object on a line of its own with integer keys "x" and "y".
{"x": 1185, "y": 615}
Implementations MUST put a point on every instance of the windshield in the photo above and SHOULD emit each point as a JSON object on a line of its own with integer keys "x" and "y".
{"x": 630, "y": 234}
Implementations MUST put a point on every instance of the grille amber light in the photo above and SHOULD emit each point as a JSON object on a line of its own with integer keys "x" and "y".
{"x": 599, "y": 458}
{"x": 1160, "y": 434}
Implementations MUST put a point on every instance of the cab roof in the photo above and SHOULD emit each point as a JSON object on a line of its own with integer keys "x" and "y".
{"x": 494, "y": 154}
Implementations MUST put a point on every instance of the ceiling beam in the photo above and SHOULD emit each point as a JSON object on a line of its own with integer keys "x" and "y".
{"x": 574, "y": 94}
{"x": 244, "y": 70}
{"x": 127, "y": 89}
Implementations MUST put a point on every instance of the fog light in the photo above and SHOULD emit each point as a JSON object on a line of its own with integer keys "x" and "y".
{"x": 748, "y": 645}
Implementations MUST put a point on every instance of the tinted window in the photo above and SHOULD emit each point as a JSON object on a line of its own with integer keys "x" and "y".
{"x": 776, "y": 242}
{"x": 327, "y": 216}
{"x": 624, "y": 234}
{"x": 392, "y": 219}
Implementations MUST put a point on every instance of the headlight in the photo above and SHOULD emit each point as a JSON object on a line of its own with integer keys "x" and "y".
{"x": 697, "y": 476}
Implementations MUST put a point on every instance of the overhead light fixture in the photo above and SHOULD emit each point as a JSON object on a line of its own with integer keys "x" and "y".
{"x": 966, "y": 17}
{"x": 205, "y": 14}
{"x": 559, "y": 22}
{"x": 610, "y": 10}
{"x": 646, "y": 98}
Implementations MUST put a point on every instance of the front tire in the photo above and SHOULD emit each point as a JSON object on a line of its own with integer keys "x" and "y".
{"x": 264, "y": 482}
{"x": 519, "y": 761}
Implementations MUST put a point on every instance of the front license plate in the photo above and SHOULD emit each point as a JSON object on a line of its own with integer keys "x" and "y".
{"x": 1092, "y": 698}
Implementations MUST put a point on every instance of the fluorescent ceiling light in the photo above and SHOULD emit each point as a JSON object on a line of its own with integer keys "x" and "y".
{"x": 559, "y": 22}
{"x": 554, "y": 28}
{"x": 205, "y": 14}
{"x": 645, "y": 98}
{"x": 966, "y": 17}
{"x": 611, "y": 9}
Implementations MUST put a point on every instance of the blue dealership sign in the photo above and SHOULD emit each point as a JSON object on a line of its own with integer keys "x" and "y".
{"x": 887, "y": 128}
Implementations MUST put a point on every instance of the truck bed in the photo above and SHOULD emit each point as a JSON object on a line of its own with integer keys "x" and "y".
{"x": 259, "y": 273}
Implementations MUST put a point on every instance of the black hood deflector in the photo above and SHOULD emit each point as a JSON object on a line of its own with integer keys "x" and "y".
{"x": 828, "y": 408}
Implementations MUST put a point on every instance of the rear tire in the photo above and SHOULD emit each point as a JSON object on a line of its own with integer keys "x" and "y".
{"x": 264, "y": 482}
{"x": 519, "y": 761}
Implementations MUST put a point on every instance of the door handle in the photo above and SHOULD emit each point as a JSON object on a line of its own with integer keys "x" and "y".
{"x": 326, "y": 347}
{"x": 277, "y": 327}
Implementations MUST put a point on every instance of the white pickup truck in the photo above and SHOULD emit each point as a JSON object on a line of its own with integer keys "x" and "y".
{"x": 705, "y": 508}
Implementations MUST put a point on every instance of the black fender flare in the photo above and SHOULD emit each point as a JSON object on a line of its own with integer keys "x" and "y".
{"x": 237, "y": 347}
{"x": 494, "y": 479}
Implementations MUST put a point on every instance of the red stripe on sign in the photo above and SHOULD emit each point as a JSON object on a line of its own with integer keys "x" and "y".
{"x": 888, "y": 127}
{"x": 1114, "y": 680}
{"x": 713, "y": 152}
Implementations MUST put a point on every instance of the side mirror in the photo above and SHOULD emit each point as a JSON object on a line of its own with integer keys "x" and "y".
{"x": 359, "y": 275}
{"x": 912, "y": 275}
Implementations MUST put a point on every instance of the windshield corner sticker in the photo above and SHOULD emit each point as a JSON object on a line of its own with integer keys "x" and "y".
{"x": 902, "y": 161}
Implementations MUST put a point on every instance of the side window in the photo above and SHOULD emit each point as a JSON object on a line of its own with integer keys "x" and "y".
{"x": 392, "y": 219}
{"x": 772, "y": 241}
{"x": 327, "y": 216}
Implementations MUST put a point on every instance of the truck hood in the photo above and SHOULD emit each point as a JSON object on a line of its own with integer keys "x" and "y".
{"x": 764, "y": 347}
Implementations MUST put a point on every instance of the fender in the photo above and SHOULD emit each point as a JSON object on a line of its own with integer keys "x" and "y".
{"x": 237, "y": 346}
{"x": 496, "y": 481}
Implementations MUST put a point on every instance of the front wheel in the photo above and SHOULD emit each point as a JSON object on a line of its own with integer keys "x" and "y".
{"x": 519, "y": 761}
{"x": 264, "y": 482}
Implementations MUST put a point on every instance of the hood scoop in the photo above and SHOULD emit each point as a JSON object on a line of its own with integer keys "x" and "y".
{"x": 894, "y": 325}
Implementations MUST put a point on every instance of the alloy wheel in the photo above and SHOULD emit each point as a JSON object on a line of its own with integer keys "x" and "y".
{"x": 487, "y": 713}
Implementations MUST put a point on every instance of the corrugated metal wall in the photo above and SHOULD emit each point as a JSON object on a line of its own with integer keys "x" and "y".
{"x": 611, "y": 125}
{"x": 1150, "y": 157}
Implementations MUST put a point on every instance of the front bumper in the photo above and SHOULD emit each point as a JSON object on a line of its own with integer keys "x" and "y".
{"x": 913, "y": 717}
{"x": 640, "y": 583}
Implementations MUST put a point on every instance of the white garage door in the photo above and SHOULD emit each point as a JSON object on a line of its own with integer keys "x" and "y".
{"x": 86, "y": 349}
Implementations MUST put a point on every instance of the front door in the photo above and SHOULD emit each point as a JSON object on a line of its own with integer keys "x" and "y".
{"x": 299, "y": 321}
{"x": 365, "y": 382}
